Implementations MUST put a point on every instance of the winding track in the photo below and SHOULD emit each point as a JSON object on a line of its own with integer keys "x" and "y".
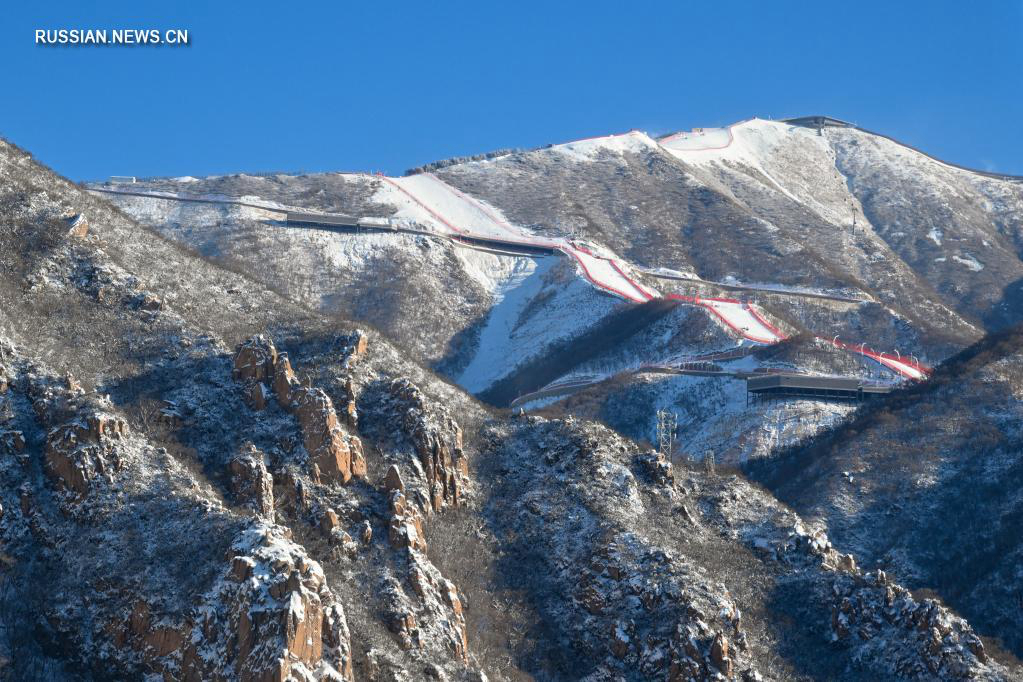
{"x": 423, "y": 192}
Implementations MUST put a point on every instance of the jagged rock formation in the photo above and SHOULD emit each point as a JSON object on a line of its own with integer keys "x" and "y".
{"x": 153, "y": 526}
{"x": 84, "y": 449}
{"x": 83, "y": 435}
{"x": 251, "y": 483}
{"x": 272, "y": 616}
{"x": 334, "y": 454}
{"x": 442, "y": 468}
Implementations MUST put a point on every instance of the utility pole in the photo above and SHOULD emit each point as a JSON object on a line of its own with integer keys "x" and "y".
{"x": 667, "y": 424}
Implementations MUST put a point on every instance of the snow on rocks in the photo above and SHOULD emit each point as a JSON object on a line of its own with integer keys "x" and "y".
{"x": 335, "y": 455}
{"x": 270, "y": 617}
{"x": 84, "y": 441}
{"x": 589, "y": 148}
{"x": 439, "y": 474}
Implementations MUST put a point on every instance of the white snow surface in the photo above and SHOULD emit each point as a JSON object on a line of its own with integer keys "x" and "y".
{"x": 740, "y": 318}
{"x": 587, "y": 149}
{"x": 428, "y": 200}
{"x": 969, "y": 261}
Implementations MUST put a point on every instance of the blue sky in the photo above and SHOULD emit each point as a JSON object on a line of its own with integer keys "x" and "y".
{"x": 360, "y": 86}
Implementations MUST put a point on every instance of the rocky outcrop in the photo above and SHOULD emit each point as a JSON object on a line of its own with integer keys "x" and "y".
{"x": 437, "y": 440}
{"x": 649, "y": 615}
{"x": 323, "y": 437}
{"x": 83, "y": 450}
{"x": 632, "y": 603}
{"x": 884, "y": 626}
{"x": 424, "y": 611}
{"x": 271, "y": 618}
{"x": 254, "y": 363}
{"x": 912, "y": 639}
{"x": 335, "y": 455}
{"x": 406, "y": 525}
{"x": 657, "y": 468}
{"x": 251, "y": 483}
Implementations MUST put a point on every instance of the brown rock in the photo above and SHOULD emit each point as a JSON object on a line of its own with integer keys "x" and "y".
{"x": 78, "y": 226}
{"x": 360, "y": 344}
{"x": 349, "y": 410}
{"x": 251, "y": 483}
{"x": 255, "y": 359}
{"x": 406, "y": 526}
{"x": 241, "y": 568}
{"x": 719, "y": 655}
{"x": 359, "y": 469}
{"x": 81, "y": 450}
{"x": 419, "y": 581}
{"x": 322, "y": 435}
{"x": 437, "y": 439}
{"x": 285, "y": 381}
{"x": 256, "y": 395}
{"x": 274, "y": 612}
{"x": 329, "y": 521}
{"x": 393, "y": 480}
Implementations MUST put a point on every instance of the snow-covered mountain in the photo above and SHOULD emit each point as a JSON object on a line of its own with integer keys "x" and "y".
{"x": 243, "y": 443}
{"x": 828, "y": 230}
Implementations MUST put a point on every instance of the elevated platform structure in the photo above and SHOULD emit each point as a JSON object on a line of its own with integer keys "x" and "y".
{"x": 321, "y": 219}
{"x": 778, "y": 385}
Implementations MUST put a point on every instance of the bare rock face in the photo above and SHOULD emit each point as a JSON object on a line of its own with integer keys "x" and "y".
{"x": 254, "y": 360}
{"x": 437, "y": 440}
{"x": 360, "y": 342}
{"x": 437, "y": 594}
{"x": 324, "y": 440}
{"x": 284, "y": 381}
{"x": 253, "y": 365}
{"x": 270, "y": 618}
{"x": 251, "y": 483}
{"x": 406, "y": 525}
{"x": 83, "y": 449}
{"x": 392, "y": 481}
{"x": 335, "y": 455}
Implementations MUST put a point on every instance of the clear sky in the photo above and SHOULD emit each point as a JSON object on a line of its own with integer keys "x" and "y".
{"x": 365, "y": 85}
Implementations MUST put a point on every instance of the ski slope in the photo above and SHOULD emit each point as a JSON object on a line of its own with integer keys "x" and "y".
{"x": 428, "y": 200}
{"x": 742, "y": 318}
{"x": 431, "y": 205}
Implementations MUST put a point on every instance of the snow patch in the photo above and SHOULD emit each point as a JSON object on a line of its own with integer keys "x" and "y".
{"x": 969, "y": 261}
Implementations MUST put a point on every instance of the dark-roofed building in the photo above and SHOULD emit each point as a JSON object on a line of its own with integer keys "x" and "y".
{"x": 320, "y": 219}
{"x": 812, "y": 387}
